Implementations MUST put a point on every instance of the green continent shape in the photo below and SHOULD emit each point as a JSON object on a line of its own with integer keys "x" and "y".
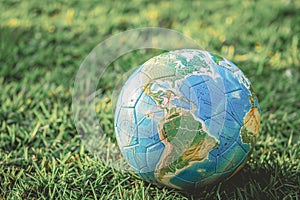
{"x": 179, "y": 130}
{"x": 189, "y": 141}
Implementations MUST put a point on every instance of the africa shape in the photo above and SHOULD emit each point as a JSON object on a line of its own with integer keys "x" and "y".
{"x": 186, "y": 119}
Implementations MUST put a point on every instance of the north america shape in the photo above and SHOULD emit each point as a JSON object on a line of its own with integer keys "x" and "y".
{"x": 186, "y": 119}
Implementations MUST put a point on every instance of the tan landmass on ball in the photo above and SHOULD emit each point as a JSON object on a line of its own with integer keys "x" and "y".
{"x": 251, "y": 126}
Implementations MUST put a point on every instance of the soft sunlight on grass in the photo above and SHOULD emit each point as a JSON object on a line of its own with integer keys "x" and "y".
{"x": 43, "y": 44}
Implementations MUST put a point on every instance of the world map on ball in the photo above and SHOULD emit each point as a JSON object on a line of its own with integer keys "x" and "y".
{"x": 186, "y": 119}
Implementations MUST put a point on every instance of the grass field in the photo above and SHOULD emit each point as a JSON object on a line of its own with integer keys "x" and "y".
{"x": 43, "y": 44}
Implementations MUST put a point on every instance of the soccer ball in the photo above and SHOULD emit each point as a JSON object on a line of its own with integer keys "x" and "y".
{"x": 186, "y": 119}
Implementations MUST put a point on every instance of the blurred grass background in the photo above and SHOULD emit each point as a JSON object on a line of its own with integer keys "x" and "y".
{"x": 42, "y": 44}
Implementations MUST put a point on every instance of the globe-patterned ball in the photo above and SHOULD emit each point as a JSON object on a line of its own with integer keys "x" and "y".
{"x": 186, "y": 119}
